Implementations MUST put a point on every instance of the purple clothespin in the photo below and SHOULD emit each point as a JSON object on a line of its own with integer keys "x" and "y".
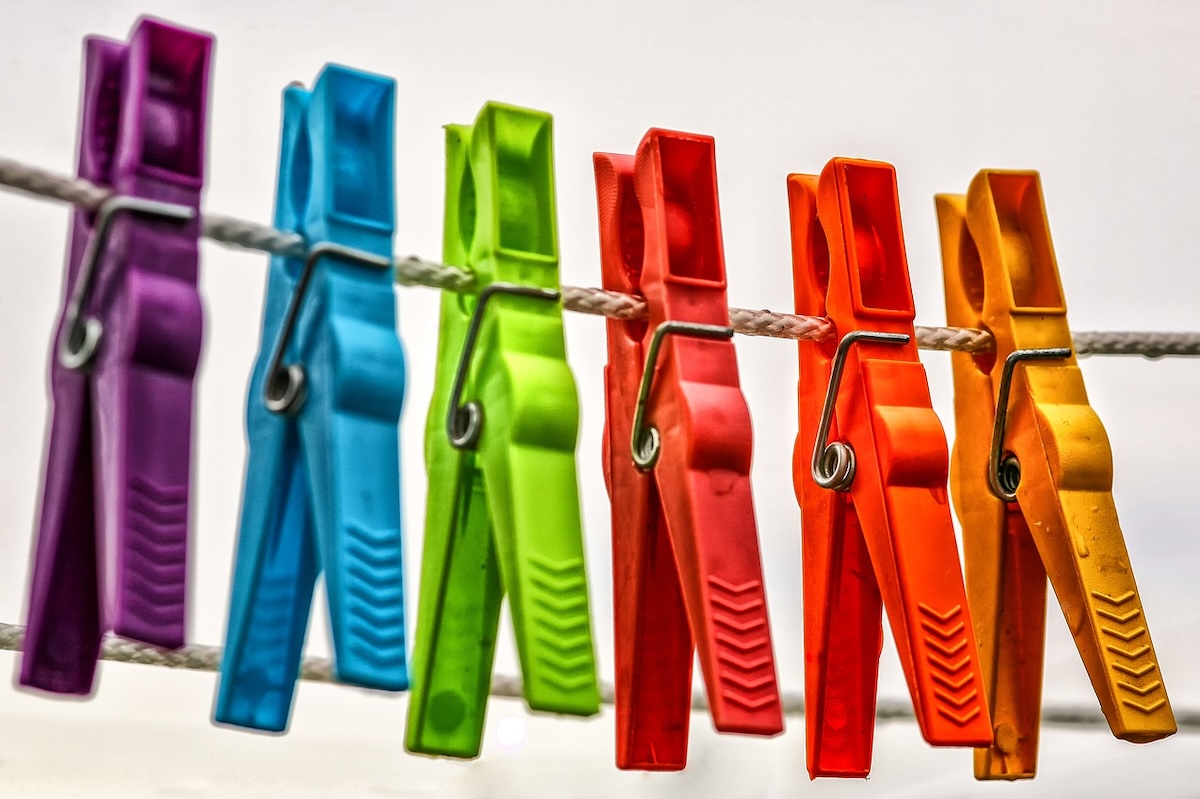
{"x": 112, "y": 535}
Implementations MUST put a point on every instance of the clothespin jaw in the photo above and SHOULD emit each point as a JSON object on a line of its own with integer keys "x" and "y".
{"x": 653, "y": 643}
{"x": 685, "y": 551}
{"x": 503, "y": 510}
{"x": 843, "y": 632}
{"x": 322, "y": 481}
{"x": 112, "y": 532}
{"x": 890, "y": 456}
{"x": 1035, "y": 495}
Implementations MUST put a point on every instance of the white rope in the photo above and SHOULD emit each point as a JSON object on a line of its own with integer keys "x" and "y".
{"x": 198, "y": 657}
{"x": 414, "y": 271}
{"x": 1146, "y": 344}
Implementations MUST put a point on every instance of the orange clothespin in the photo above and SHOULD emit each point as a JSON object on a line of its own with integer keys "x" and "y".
{"x": 677, "y": 453}
{"x": 1032, "y": 481}
{"x": 875, "y": 512}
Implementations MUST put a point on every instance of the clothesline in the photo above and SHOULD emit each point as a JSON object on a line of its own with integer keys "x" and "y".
{"x": 413, "y": 270}
{"x": 200, "y": 657}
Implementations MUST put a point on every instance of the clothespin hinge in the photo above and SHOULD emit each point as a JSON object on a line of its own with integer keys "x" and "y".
{"x": 81, "y": 334}
{"x": 285, "y": 390}
{"x": 645, "y": 443}
{"x": 1004, "y": 471}
{"x": 833, "y": 462}
{"x": 464, "y": 421}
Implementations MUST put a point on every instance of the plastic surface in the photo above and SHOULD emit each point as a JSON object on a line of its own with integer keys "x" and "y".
{"x": 503, "y": 517}
{"x": 322, "y": 491}
{"x": 686, "y": 562}
{"x": 1001, "y": 275}
{"x": 112, "y": 533}
{"x": 888, "y": 541}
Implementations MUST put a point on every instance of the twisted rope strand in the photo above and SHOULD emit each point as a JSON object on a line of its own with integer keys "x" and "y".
{"x": 414, "y": 271}
{"x": 1144, "y": 343}
{"x": 198, "y": 657}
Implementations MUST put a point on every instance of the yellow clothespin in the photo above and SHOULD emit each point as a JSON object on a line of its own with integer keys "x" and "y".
{"x": 1031, "y": 478}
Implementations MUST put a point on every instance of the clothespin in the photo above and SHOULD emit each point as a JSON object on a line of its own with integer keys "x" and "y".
{"x": 677, "y": 451}
{"x": 870, "y": 473}
{"x": 322, "y": 490}
{"x": 1032, "y": 481}
{"x": 112, "y": 532}
{"x": 503, "y": 509}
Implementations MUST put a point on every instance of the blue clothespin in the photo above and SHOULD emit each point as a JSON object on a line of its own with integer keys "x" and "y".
{"x": 322, "y": 489}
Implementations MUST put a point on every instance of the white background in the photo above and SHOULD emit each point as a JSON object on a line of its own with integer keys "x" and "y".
{"x": 1103, "y": 98}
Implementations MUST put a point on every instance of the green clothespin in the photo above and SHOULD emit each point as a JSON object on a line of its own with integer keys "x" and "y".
{"x": 503, "y": 506}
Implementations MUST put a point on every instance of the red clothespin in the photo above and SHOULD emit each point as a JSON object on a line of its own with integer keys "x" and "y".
{"x": 870, "y": 470}
{"x": 677, "y": 452}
